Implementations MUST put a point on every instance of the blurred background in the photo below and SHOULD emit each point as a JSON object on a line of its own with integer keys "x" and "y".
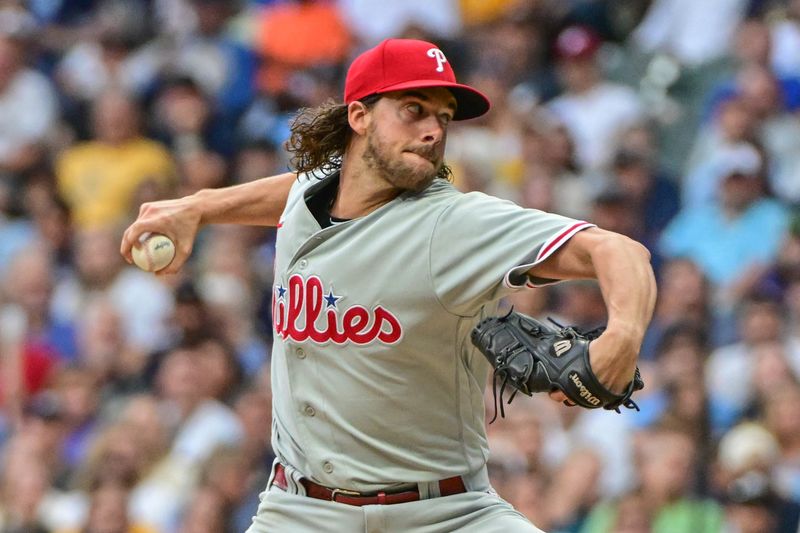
{"x": 136, "y": 404}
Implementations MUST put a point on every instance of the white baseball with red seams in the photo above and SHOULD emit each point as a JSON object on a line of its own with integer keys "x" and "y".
{"x": 154, "y": 253}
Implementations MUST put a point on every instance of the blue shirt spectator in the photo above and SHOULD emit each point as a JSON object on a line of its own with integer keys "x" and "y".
{"x": 740, "y": 229}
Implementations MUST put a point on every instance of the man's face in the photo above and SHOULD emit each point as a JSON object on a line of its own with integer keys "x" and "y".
{"x": 115, "y": 118}
{"x": 406, "y": 136}
{"x": 739, "y": 190}
{"x": 10, "y": 61}
{"x": 578, "y": 74}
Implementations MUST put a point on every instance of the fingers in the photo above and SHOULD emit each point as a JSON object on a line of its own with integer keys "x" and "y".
{"x": 130, "y": 239}
{"x": 178, "y": 219}
{"x": 133, "y": 236}
{"x": 560, "y": 397}
{"x": 557, "y": 396}
{"x": 182, "y": 254}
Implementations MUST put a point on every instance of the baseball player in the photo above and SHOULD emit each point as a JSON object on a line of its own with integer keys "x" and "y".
{"x": 381, "y": 271}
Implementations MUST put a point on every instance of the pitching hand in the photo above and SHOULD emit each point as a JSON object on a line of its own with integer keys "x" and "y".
{"x": 177, "y": 219}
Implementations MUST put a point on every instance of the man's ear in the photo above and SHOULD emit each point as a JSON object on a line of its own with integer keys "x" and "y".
{"x": 358, "y": 117}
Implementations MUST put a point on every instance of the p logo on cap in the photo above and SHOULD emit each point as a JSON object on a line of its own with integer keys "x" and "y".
{"x": 440, "y": 59}
{"x": 399, "y": 64}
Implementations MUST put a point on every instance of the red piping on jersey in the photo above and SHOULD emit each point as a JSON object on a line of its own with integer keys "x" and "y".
{"x": 557, "y": 240}
{"x": 551, "y": 246}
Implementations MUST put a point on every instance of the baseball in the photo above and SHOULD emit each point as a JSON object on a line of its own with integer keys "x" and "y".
{"x": 155, "y": 252}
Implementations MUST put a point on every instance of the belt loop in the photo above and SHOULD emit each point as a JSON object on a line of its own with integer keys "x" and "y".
{"x": 428, "y": 490}
{"x": 272, "y": 473}
{"x": 382, "y": 498}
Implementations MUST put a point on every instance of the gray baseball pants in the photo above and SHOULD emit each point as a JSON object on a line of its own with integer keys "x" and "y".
{"x": 479, "y": 512}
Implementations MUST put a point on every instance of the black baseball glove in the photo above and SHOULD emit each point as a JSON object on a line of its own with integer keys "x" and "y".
{"x": 533, "y": 356}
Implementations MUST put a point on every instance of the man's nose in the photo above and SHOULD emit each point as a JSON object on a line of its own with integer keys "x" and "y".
{"x": 433, "y": 130}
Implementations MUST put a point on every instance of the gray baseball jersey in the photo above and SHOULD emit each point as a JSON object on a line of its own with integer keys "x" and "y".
{"x": 375, "y": 382}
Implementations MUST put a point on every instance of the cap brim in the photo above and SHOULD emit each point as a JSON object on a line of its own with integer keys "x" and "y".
{"x": 471, "y": 103}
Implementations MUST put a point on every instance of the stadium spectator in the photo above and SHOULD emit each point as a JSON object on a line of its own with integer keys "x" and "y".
{"x": 734, "y": 238}
{"x": 142, "y": 403}
{"x": 28, "y": 107}
{"x": 99, "y": 178}
{"x": 594, "y": 110}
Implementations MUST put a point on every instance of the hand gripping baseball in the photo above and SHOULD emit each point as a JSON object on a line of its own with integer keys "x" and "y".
{"x": 532, "y": 356}
{"x": 178, "y": 220}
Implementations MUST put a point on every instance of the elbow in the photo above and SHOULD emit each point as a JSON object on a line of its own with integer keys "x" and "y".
{"x": 629, "y": 247}
{"x": 639, "y": 249}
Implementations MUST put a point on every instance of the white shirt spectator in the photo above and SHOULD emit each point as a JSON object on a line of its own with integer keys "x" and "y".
{"x": 611, "y": 437}
{"x": 785, "y": 52}
{"x": 374, "y": 21}
{"x": 85, "y": 74}
{"x": 695, "y": 32}
{"x": 159, "y": 499}
{"x": 781, "y": 138}
{"x": 142, "y": 301}
{"x": 595, "y": 118}
{"x": 28, "y": 109}
{"x": 211, "y": 425}
{"x": 730, "y": 369}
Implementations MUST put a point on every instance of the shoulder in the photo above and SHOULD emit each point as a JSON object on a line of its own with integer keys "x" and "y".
{"x": 766, "y": 213}
{"x": 560, "y": 103}
{"x": 79, "y": 153}
{"x": 307, "y": 183}
{"x": 475, "y": 203}
{"x": 469, "y": 214}
{"x": 33, "y": 80}
{"x": 450, "y": 205}
{"x": 616, "y": 90}
{"x": 771, "y": 208}
{"x": 149, "y": 146}
{"x": 439, "y": 191}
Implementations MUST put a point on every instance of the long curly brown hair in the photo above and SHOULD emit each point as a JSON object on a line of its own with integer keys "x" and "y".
{"x": 319, "y": 138}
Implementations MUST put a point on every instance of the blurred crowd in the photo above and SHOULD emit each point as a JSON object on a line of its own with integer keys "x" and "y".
{"x": 140, "y": 404}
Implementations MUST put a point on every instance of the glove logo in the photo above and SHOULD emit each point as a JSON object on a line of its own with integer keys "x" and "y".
{"x": 590, "y": 398}
{"x": 561, "y": 347}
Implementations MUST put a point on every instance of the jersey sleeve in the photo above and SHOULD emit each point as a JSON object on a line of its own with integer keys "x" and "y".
{"x": 482, "y": 247}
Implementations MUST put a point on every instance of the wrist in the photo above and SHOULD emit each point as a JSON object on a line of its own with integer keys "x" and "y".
{"x": 612, "y": 362}
{"x": 625, "y": 333}
{"x": 200, "y": 205}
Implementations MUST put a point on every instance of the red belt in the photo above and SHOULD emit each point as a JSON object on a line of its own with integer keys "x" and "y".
{"x": 447, "y": 487}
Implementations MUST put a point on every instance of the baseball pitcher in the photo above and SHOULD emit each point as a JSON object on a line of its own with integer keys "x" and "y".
{"x": 382, "y": 273}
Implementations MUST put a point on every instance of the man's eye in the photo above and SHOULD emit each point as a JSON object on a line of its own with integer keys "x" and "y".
{"x": 445, "y": 119}
{"x": 414, "y": 108}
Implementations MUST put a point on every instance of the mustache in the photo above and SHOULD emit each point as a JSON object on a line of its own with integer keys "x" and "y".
{"x": 428, "y": 152}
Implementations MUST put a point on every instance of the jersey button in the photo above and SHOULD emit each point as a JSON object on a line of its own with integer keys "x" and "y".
{"x": 303, "y": 263}
{"x": 327, "y": 467}
{"x": 301, "y": 353}
{"x": 309, "y": 411}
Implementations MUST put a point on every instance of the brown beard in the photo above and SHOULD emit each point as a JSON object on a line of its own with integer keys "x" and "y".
{"x": 397, "y": 172}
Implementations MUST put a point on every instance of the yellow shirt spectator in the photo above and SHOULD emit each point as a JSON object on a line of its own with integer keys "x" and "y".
{"x": 476, "y": 12}
{"x": 99, "y": 180}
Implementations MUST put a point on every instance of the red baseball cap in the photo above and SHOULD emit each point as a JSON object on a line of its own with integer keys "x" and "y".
{"x": 577, "y": 42}
{"x": 397, "y": 64}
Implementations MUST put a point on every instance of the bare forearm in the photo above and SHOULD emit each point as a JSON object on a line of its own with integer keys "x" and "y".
{"x": 256, "y": 203}
{"x": 623, "y": 270}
